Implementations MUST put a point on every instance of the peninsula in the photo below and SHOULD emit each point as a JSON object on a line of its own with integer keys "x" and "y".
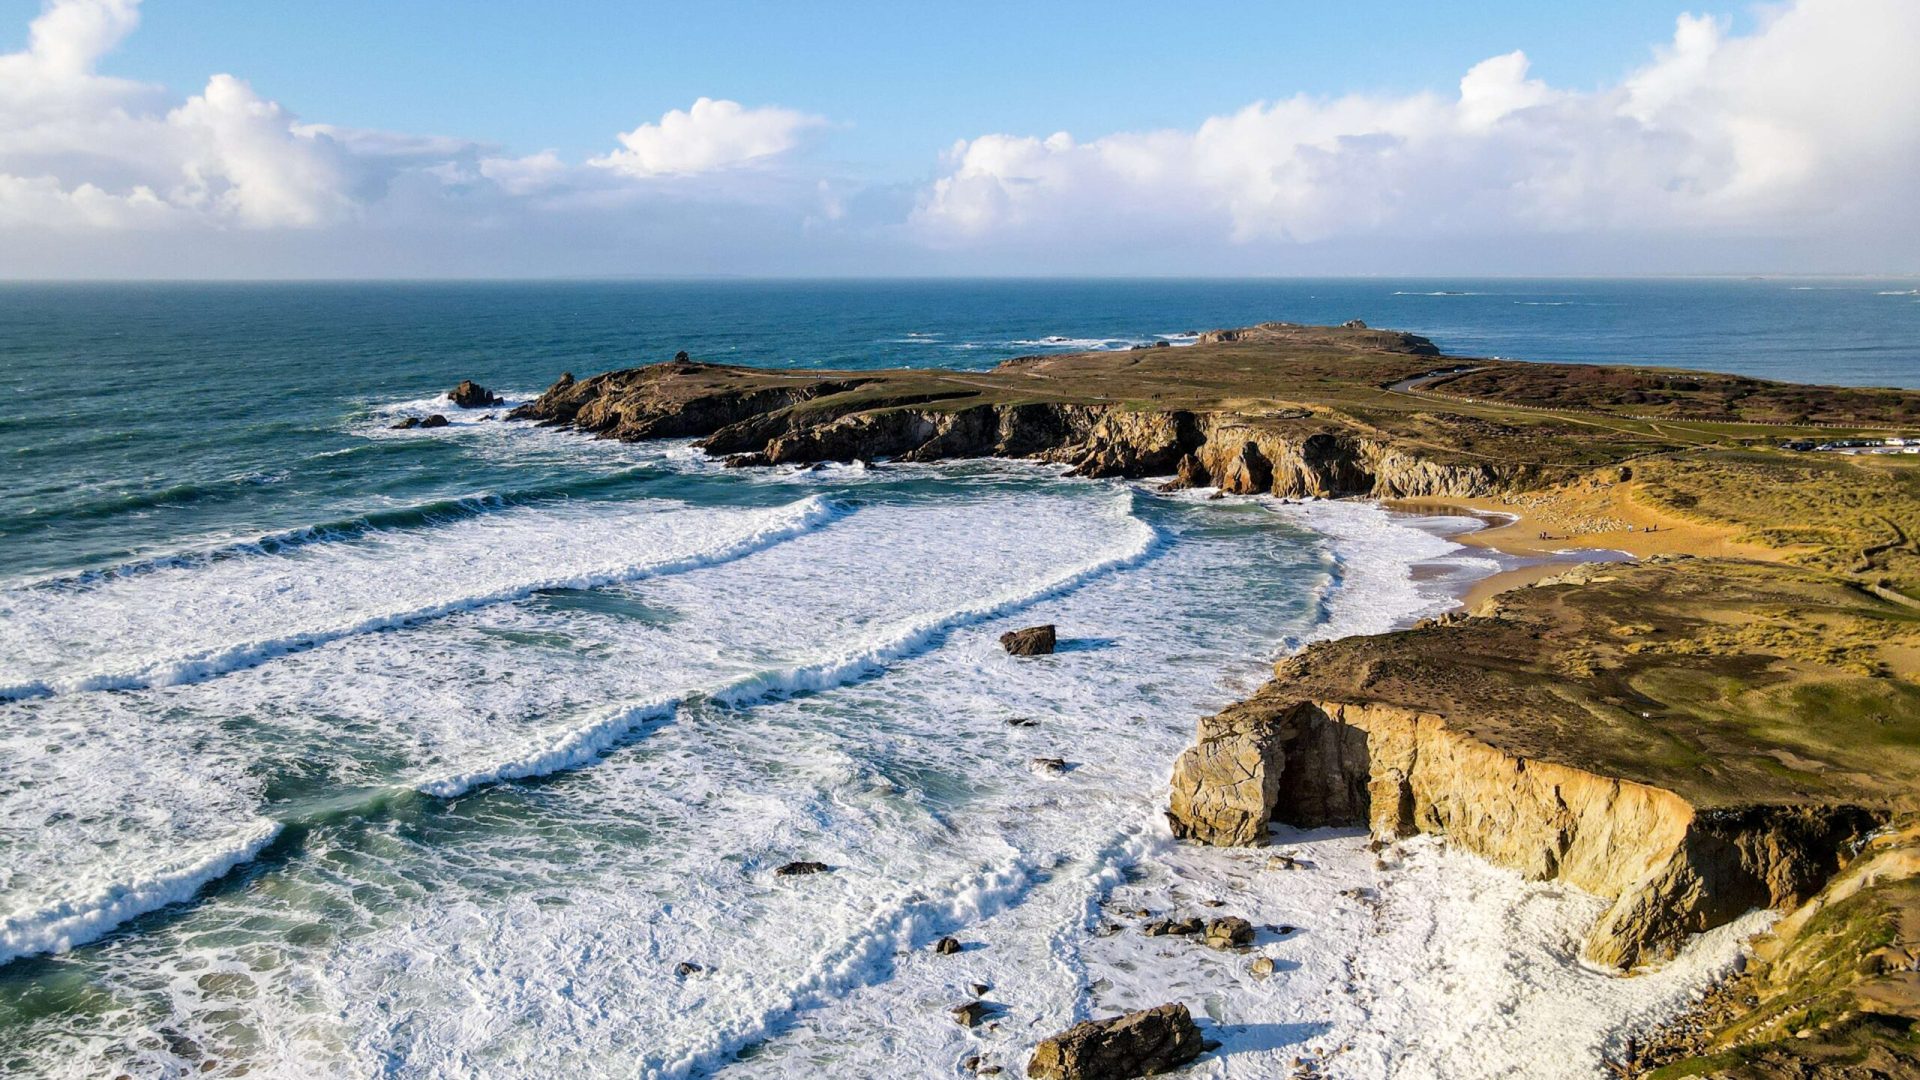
{"x": 1731, "y": 721}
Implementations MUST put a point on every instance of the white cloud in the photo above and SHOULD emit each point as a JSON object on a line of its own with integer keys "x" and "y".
{"x": 714, "y": 134}
{"x": 1804, "y": 126}
{"x": 85, "y": 152}
{"x": 1787, "y": 147}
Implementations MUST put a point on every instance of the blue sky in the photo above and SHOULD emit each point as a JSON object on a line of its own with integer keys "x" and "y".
{"x": 905, "y": 80}
{"x": 354, "y": 138}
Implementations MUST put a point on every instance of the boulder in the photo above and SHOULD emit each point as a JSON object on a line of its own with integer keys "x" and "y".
{"x": 436, "y": 420}
{"x": 1033, "y": 641}
{"x": 969, "y": 1014}
{"x": 795, "y": 869}
{"x": 947, "y": 946}
{"x": 1231, "y": 932}
{"x": 1144, "y": 1043}
{"x": 471, "y": 395}
{"x": 1173, "y": 927}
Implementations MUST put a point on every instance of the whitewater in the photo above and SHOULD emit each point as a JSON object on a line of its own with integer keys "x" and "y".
{"x": 458, "y": 790}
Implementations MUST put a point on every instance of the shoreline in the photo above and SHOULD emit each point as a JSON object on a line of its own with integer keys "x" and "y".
{"x": 1722, "y": 693}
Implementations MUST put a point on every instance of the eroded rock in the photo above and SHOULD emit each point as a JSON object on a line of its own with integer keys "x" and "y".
{"x": 1231, "y": 932}
{"x": 471, "y": 395}
{"x": 1032, "y": 641}
{"x": 1144, "y": 1043}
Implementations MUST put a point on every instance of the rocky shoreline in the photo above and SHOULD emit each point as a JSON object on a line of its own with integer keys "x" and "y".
{"x": 1560, "y": 730}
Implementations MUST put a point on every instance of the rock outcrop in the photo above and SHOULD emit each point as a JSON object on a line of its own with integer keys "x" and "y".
{"x": 1144, "y": 1043}
{"x": 754, "y": 418}
{"x": 471, "y": 395}
{"x": 1671, "y": 869}
{"x": 1032, "y": 641}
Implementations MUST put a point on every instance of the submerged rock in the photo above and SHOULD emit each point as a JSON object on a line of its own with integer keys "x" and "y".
{"x": 436, "y": 420}
{"x": 407, "y": 424}
{"x": 1032, "y": 641}
{"x": 688, "y": 968}
{"x": 795, "y": 869}
{"x": 471, "y": 395}
{"x": 1143, "y": 1043}
{"x": 1050, "y": 764}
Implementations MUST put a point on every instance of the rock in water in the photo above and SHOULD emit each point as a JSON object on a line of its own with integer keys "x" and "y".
{"x": 404, "y": 425}
{"x": 436, "y": 420}
{"x": 794, "y": 869}
{"x": 947, "y": 946}
{"x": 471, "y": 395}
{"x": 970, "y": 1014}
{"x": 1033, "y": 641}
{"x": 1144, "y": 1043}
{"x": 1231, "y": 932}
{"x": 1174, "y": 927}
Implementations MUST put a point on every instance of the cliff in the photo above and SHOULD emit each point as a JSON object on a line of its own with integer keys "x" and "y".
{"x": 1251, "y": 411}
{"x": 1579, "y": 730}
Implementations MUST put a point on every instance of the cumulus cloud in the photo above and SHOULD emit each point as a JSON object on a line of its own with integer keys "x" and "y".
{"x": 83, "y": 151}
{"x": 1787, "y": 147}
{"x": 711, "y": 135}
{"x": 1804, "y": 125}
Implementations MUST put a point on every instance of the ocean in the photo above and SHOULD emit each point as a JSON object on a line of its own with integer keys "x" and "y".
{"x": 333, "y": 749}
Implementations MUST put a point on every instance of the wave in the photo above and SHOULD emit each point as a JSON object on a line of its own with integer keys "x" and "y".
{"x": 582, "y": 744}
{"x": 895, "y": 926}
{"x": 65, "y": 924}
{"x": 792, "y": 520}
{"x": 427, "y": 514}
{"x": 61, "y": 926}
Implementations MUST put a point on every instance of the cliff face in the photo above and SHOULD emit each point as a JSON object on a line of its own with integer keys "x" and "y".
{"x": 1671, "y": 869}
{"x": 798, "y": 419}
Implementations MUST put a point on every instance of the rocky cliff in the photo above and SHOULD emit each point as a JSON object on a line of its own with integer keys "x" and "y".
{"x": 758, "y": 418}
{"x": 1672, "y": 869}
{"x": 1602, "y": 728}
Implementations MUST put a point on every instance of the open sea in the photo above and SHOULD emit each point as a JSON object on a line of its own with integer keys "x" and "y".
{"x": 328, "y": 749}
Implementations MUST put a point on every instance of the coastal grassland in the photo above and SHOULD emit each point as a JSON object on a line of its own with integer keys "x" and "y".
{"x": 1683, "y": 395}
{"x": 1730, "y": 683}
{"x": 1850, "y": 515}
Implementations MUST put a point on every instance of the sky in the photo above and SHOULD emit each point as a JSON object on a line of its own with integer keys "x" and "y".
{"x": 227, "y": 139}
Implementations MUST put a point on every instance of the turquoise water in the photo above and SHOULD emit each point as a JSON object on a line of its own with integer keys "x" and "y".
{"x": 330, "y": 749}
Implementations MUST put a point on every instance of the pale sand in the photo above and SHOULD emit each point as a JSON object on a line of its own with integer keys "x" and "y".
{"x": 1608, "y": 519}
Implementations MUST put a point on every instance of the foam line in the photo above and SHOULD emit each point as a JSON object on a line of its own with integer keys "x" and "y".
{"x": 898, "y": 924}
{"x": 793, "y": 520}
{"x": 62, "y": 925}
{"x": 432, "y": 512}
{"x": 582, "y": 744}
